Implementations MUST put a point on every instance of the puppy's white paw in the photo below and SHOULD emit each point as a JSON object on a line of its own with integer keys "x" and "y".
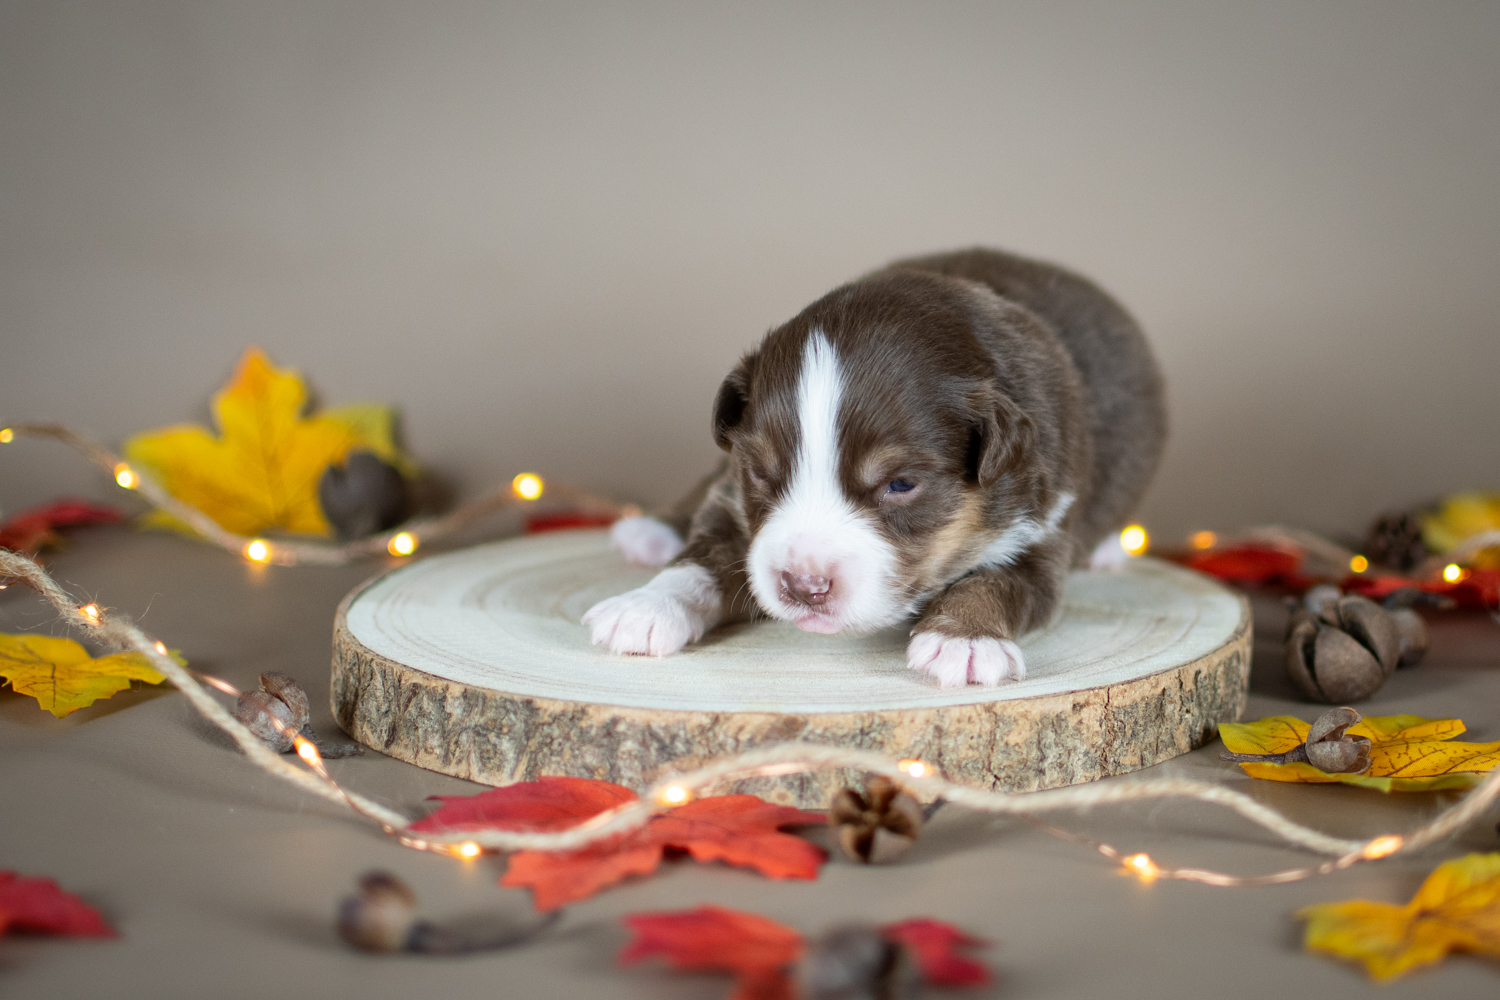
{"x": 1109, "y": 555}
{"x": 674, "y": 609}
{"x": 955, "y": 662}
{"x": 645, "y": 540}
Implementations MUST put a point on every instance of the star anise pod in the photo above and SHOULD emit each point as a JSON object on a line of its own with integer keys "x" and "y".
{"x": 876, "y": 827}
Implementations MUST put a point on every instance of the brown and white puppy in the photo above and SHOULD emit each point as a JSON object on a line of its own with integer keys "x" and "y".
{"x": 943, "y": 439}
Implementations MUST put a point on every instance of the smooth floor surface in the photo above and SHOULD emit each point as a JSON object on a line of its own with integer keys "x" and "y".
{"x": 223, "y": 882}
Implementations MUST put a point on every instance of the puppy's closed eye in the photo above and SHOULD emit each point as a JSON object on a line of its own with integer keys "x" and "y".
{"x": 901, "y": 490}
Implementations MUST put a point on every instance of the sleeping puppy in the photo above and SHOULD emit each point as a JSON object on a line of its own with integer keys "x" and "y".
{"x": 940, "y": 440}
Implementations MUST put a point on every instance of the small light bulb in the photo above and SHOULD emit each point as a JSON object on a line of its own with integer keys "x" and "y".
{"x": 1134, "y": 540}
{"x": 674, "y": 795}
{"x": 1141, "y": 865}
{"x": 528, "y": 485}
{"x": 161, "y": 647}
{"x": 258, "y": 550}
{"x": 1453, "y": 572}
{"x": 1359, "y": 564}
{"x": 913, "y": 767}
{"x": 92, "y": 613}
{"x": 1204, "y": 540}
{"x": 7, "y": 435}
{"x": 307, "y": 750}
{"x": 403, "y": 544}
{"x": 469, "y": 850}
{"x": 1382, "y": 847}
{"x": 125, "y": 476}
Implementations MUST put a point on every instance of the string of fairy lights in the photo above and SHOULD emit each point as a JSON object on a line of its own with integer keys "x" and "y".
{"x": 676, "y": 790}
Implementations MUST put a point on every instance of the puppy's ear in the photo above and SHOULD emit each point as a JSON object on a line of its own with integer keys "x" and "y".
{"x": 1005, "y": 436}
{"x": 733, "y": 398}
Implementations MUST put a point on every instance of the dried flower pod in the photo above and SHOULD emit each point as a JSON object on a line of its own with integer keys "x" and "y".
{"x": 855, "y": 962}
{"x": 1395, "y": 540}
{"x": 1344, "y": 651}
{"x": 1328, "y": 746}
{"x": 281, "y": 698}
{"x": 381, "y": 917}
{"x": 879, "y": 826}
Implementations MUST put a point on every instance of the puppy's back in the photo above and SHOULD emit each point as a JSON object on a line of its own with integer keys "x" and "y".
{"x": 1125, "y": 397}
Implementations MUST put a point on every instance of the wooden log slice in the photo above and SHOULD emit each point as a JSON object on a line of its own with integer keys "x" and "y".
{"x": 474, "y": 663}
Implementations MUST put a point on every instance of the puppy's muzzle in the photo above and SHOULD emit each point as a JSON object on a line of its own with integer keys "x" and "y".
{"x": 805, "y": 589}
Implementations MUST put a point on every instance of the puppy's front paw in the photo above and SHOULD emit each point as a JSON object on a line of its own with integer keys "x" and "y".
{"x": 645, "y": 540}
{"x": 955, "y": 662}
{"x": 674, "y": 609}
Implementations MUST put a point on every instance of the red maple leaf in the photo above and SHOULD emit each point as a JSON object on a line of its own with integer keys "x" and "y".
{"x": 935, "y": 943}
{"x": 738, "y": 829}
{"x": 34, "y": 529}
{"x": 1475, "y": 590}
{"x": 1249, "y": 564}
{"x": 760, "y": 951}
{"x": 39, "y": 906}
{"x": 757, "y": 950}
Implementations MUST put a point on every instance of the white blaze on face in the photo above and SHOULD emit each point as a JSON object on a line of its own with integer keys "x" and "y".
{"x": 815, "y": 531}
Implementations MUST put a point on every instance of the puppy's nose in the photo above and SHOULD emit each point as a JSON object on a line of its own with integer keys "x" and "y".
{"x": 806, "y": 589}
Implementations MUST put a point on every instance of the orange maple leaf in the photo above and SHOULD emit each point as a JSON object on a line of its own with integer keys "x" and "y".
{"x": 738, "y": 829}
{"x": 711, "y": 938}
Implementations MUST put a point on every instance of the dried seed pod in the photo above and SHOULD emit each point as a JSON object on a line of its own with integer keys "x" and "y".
{"x": 879, "y": 826}
{"x": 363, "y": 496}
{"x": 381, "y": 917}
{"x": 281, "y": 698}
{"x": 855, "y": 962}
{"x": 1344, "y": 652}
{"x": 1328, "y": 746}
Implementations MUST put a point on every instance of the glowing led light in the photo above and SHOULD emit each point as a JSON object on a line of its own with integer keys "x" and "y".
{"x": 258, "y": 551}
{"x": 125, "y": 476}
{"x": 1134, "y": 540}
{"x": 161, "y": 647}
{"x": 308, "y": 752}
{"x": 528, "y": 485}
{"x": 468, "y": 850}
{"x": 1382, "y": 847}
{"x": 403, "y": 544}
{"x": 674, "y": 795}
{"x": 913, "y": 767}
{"x": 1204, "y": 540}
{"x": 1142, "y": 866}
{"x": 1453, "y": 572}
{"x": 1359, "y": 564}
{"x": 92, "y": 613}
{"x": 7, "y": 435}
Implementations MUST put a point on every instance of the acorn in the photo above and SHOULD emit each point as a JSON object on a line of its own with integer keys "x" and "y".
{"x": 1340, "y": 648}
{"x": 281, "y": 698}
{"x": 382, "y": 918}
{"x": 363, "y": 495}
{"x": 1410, "y": 625}
{"x": 1328, "y": 746}
{"x": 879, "y": 826}
{"x": 855, "y": 962}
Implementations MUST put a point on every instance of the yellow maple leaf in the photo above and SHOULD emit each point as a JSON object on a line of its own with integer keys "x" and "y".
{"x": 62, "y": 677}
{"x": 261, "y": 472}
{"x": 1407, "y": 752}
{"x": 1461, "y": 516}
{"x": 1456, "y": 909}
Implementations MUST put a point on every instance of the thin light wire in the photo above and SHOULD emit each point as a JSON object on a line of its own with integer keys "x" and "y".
{"x": 785, "y": 758}
{"x": 290, "y": 552}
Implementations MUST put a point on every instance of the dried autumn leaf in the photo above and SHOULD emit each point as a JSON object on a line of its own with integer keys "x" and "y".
{"x": 1249, "y": 565}
{"x": 261, "y": 472}
{"x": 39, "y": 906}
{"x": 1407, "y": 752}
{"x": 936, "y": 946}
{"x": 62, "y": 677}
{"x": 1456, "y": 909}
{"x": 738, "y": 829}
{"x": 757, "y": 950}
{"x": 34, "y": 529}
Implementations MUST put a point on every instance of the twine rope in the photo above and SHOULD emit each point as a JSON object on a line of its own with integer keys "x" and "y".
{"x": 785, "y": 758}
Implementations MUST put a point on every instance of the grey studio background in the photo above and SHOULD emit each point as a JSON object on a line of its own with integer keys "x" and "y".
{"x": 546, "y": 231}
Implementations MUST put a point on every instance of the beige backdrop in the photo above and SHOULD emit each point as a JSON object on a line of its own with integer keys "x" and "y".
{"x": 547, "y": 230}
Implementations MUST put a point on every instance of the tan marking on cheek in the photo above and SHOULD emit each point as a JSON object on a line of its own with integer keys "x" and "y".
{"x": 954, "y": 544}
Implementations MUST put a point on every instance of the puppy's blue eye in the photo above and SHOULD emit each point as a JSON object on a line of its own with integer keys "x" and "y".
{"x": 900, "y": 486}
